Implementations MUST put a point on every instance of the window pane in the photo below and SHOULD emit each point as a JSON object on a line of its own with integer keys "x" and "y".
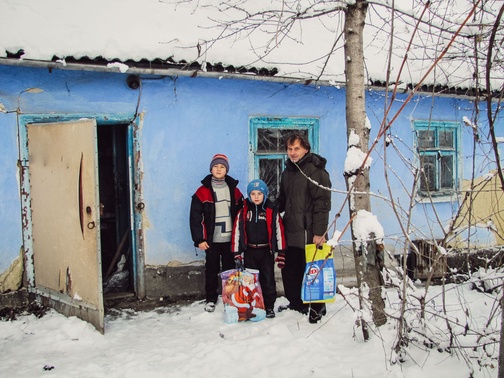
{"x": 273, "y": 140}
{"x": 446, "y": 138}
{"x": 270, "y": 171}
{"x": 428, "y": 179}
{"x": 269, "y": 140}
{"x": 426, "y": 139}
{"x": 446, "y": 172}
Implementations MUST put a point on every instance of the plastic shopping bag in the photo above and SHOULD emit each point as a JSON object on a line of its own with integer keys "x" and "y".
{"x": 242, "y": 296}
{"x": 319, "y": 280}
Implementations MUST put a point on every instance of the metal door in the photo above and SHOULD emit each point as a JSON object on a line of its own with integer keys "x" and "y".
{"x": 63, "y": 172}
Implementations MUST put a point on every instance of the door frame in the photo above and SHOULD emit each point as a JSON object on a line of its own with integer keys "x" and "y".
{"x": 136, "y": 196}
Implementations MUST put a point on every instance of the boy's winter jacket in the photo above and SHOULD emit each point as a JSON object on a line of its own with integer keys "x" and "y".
{"x": 258, "y": 226}
{"x": 202, "y": 213}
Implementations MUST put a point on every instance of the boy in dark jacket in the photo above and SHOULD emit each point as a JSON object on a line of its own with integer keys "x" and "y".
{"x": 258, "y": 233}
{"x": 214, "y": 207}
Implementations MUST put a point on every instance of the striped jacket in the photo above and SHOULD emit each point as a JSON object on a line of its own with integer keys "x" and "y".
{"x": 202, "y": 213}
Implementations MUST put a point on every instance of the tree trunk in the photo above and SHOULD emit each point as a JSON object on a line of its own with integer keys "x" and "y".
{"x": 368, "y": 270}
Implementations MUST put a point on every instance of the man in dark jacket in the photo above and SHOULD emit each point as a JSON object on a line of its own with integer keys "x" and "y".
{"x": 306, "y": 216}
{"x": 214, "y": 207}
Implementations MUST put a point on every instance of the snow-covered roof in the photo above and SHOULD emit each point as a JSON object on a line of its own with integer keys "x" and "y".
{"x": 186, "y": 34}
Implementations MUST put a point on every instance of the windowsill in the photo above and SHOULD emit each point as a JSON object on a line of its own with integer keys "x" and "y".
{"x": 438, "y": 198}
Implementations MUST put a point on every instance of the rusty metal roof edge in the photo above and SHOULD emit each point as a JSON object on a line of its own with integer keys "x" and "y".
{"x": 158, "y": 71}
{"x": 170, "y": 71}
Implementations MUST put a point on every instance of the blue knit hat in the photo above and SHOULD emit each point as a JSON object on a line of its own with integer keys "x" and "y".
{"x": 258, "y": 185}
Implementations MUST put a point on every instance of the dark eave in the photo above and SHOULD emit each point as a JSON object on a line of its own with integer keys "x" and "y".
{"x": 170, "y": 67}
{"x": 162, "y": 67}
{"x": 441, "y": 90}
{"x": 160, "y": 64}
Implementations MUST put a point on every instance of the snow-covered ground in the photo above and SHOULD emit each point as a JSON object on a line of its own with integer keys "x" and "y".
{"x": 188, "y": 342}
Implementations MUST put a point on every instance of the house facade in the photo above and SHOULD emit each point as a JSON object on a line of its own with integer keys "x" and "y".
{"x": 99, "y": 164}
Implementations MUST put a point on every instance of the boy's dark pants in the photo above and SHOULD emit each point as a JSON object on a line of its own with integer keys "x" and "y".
{"x": 213, "y": 256}
{"x": 292, "y": 277}
{"x": 264, "y": 261}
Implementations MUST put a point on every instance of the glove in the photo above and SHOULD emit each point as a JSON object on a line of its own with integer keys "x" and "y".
{"x": 280, "y": 260}
{"x": 238, "y": 262}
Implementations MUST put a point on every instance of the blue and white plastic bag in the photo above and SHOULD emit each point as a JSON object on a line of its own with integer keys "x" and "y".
{"x": 319, "y": 280}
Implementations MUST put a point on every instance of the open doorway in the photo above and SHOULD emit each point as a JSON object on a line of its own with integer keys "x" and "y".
{"x": 115, "y": 224}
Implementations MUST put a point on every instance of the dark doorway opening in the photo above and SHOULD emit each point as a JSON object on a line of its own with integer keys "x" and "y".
{"x": 115, "y": 219}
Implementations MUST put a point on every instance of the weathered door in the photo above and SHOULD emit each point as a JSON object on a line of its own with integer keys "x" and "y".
{"x": 63, "y": 168}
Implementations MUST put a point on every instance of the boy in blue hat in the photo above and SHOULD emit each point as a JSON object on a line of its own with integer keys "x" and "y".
{"x": 257, "y": 235}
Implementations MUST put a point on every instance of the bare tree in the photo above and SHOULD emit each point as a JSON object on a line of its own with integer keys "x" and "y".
{"x": 368, "y": 263}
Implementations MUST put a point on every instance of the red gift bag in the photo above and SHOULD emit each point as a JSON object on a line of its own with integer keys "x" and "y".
{"x": 242, "y": 296}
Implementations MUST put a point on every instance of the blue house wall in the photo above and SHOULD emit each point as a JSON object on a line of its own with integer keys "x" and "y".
{"x": 428, "y": 219}
{"x": 186, "y": 121}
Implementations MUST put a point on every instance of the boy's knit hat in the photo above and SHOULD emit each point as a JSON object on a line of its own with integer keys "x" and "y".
{"x": 258, "y": 185}
{"x": 220, "y": 159}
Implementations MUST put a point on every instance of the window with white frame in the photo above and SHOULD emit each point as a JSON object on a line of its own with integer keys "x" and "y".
{"x": 267, "y": 136}
{"x": 437, "y": 146}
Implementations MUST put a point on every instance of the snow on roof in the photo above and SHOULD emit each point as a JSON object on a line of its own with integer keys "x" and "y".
{"x": 181, "y": 33}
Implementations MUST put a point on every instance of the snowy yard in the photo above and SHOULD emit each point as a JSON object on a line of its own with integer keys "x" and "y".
{"x": 185, "y": 341}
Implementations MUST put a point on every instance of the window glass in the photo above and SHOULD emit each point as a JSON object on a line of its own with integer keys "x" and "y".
{"x": 427, "y": 180}
{"x": 270, "y": 171}
{"x": 269, "y": 140}
{"x": 446, "y": 138}
{"x": 273, "y": 140}
{"x": 446, "y": 172}
{"x": 426, "y": 139}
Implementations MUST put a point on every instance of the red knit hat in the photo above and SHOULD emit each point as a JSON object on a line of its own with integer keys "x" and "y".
{"x": 220, "y": 159}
